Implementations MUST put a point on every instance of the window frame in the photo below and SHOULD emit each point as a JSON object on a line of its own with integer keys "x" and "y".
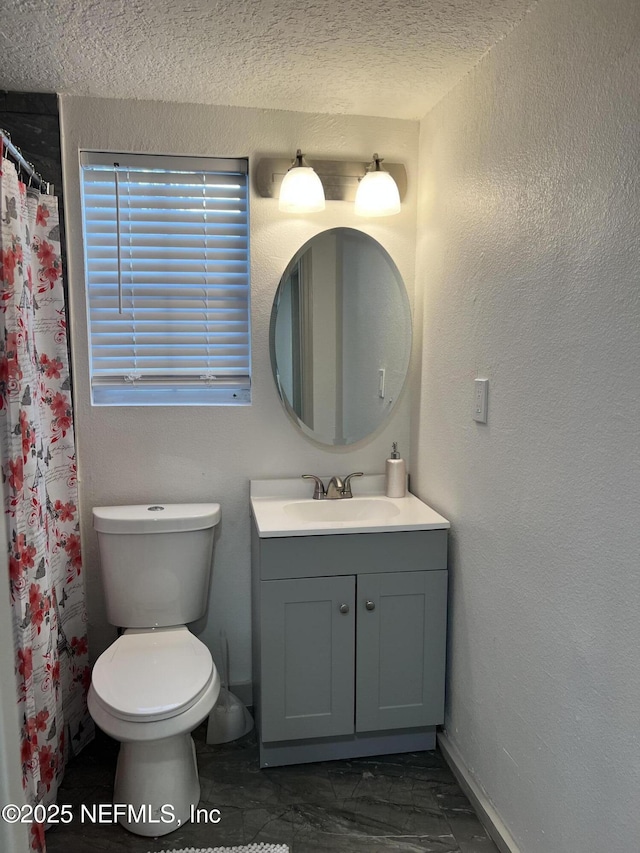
{"x": 195, "y": 386}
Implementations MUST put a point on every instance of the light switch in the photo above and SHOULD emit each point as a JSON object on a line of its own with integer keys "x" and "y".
{"x": 480, "y": 398}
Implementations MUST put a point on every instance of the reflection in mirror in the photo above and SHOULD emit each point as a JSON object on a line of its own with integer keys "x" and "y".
{"x": 340, "y": 336}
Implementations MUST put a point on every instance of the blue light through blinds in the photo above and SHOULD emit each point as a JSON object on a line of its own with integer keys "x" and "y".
{"x": 171, "y": 247}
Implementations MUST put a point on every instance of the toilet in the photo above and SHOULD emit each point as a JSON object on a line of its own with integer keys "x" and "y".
{"x": 157, "y": 681}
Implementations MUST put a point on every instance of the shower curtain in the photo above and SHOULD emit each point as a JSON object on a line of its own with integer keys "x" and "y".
{"x": 40, "y": 495}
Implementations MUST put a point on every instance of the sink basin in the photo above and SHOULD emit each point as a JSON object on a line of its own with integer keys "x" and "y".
{"x": 285, "y": 508}
{"x": 347, "y": 509}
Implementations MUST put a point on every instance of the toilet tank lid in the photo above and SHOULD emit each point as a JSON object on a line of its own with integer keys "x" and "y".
{"x": 155, "y": 518}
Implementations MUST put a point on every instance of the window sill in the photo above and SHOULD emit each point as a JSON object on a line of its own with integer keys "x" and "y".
{"x": 139, "y": 395}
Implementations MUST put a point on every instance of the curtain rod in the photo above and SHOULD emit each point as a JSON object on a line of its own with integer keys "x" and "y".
{"x": 6, "y": 145}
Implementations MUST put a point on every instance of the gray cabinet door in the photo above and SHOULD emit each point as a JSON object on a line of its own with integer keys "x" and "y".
{"x": 308, "y": 654}
{"x": 401, "y": 641}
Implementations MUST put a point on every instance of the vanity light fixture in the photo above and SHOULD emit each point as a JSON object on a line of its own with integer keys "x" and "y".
{"x": 301, "y": 190}
{"x": 377, "y": 193}
{"x": 340, "y": 179}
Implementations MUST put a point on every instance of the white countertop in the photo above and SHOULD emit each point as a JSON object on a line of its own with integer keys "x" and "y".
{"x": 286, "y": 508}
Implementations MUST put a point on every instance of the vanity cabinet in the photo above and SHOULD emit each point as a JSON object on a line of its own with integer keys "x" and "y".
{"x": 307, "y": 640}
{"x": 349, "y": 636}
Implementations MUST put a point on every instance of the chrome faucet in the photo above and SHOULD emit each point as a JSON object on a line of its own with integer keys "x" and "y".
{"x": 336, "y": 490}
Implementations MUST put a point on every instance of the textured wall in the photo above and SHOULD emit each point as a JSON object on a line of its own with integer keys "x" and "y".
{"x": 130, "y": 455}
{"x": 12, "y": 836}
{"x": 527, "y": 272}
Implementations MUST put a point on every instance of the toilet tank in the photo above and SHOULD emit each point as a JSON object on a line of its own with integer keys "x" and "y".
{"x": 156, "y": 562}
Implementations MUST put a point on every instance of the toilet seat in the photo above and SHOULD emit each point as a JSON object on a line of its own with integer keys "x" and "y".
{"x": 152, "y": 674}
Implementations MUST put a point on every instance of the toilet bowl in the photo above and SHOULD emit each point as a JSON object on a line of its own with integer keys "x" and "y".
{"x": 157, "y": 681}
{"x": 149, "y": 690}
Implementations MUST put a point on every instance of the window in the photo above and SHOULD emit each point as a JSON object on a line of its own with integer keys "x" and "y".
{"x": 167, "y": 277}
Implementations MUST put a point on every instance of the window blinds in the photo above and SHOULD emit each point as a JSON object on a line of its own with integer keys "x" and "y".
{"x": 167, "y": 275}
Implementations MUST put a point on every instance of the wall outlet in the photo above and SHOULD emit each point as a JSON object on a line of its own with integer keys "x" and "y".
{"x": 480, "y": 399}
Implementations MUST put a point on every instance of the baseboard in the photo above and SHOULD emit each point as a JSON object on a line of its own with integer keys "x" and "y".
{"x": 487, "y": 814}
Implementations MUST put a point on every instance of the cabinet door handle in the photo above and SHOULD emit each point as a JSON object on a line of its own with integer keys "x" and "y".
{"x": 370, "y": 605}
{"x": 344, "y": 608}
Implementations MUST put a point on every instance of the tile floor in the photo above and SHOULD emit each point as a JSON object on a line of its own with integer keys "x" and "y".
{"x": 405, "y": 803}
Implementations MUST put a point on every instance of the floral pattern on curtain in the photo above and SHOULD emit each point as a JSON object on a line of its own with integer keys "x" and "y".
{"x": 40, "y": 493}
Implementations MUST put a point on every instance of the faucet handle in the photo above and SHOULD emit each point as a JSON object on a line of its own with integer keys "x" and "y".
{"x": 346, "y": 490}
{"x": 318, "y": 492}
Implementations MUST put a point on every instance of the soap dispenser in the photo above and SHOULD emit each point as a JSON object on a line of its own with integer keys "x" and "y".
{"x": 396, "y": 474}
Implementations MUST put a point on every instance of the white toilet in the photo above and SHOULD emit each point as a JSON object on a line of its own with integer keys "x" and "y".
{"x": 157, "y": 681}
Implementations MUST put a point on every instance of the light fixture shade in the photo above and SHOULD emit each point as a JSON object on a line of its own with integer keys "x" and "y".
{"x": 377, "y": 193}
{"x": 301, "y": 190}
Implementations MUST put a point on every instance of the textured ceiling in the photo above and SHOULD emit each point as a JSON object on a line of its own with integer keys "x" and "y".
{"x": 364, "y": 57}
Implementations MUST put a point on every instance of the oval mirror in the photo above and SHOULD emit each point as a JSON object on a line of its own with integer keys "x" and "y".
{"x": 340, "y": 336}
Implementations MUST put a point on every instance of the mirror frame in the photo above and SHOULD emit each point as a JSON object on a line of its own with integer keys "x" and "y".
{"x": 292, "y": 414}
